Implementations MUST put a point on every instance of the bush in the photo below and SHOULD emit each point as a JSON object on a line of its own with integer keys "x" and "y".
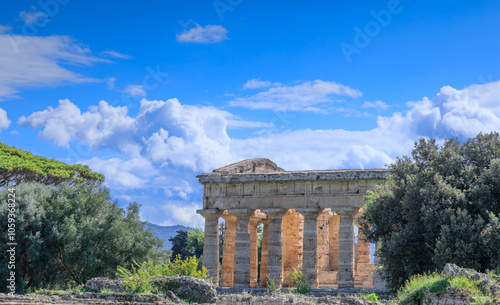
{"x": 298, "y": 280}
{"x": 67, "y": 235}
{"x": 440, "y": 205}
{"x": 271, "y": 284}
{"x": 139, "y": 278}
{"x": 415, "y": 288}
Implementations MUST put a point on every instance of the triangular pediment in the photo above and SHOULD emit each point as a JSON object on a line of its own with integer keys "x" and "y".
{"x": 256, "y": 165}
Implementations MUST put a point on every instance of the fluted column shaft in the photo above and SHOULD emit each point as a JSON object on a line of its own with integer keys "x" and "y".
{"x": 310, "y": 258}
{"x": 264, "y": 252}
{"x": 254, "y": 248}
{"x": 242, "y": 247}
{"x": 346, "y": 247}
{"x": 211, "y": 242}
{"x": 333, "y": 226}
{"x": 228, "y": 250}
{"x": 275, "y": 244}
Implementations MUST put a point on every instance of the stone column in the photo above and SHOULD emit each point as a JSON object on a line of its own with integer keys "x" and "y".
{"x": 346, "y": 246}
{"x": 263, "y": 252}
{"x": 293, "y": 231}
{"x": 363, "y": 248}
{"x": 323, "y": 241}
{"x": 211, "y": 242}
{"x": 275, "y": 244}
{"x": 242, "y": 247}
{"x": 228, "y": 250}
{"x": 254, "y": 248}
{"x": 310, "y": 261}
{"x": 333, "y": 226}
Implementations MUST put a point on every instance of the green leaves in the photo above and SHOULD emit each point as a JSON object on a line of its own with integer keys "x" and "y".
{"x": 439, "y": 206}
{"x": 69, "y": 234}
{"x": 17, "y": 166}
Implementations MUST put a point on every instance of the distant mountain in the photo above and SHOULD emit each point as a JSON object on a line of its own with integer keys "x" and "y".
{"x": 166, "y": 232}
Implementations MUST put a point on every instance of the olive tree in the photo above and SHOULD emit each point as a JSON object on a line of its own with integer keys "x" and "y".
{"x": 441, "y": 205}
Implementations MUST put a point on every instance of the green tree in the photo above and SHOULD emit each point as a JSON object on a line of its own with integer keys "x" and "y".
{"x": 441, "y": 205}
{"x": 17, "y": 166}
{"x": 187, "y": 243}
{"x": 69, "y": 234}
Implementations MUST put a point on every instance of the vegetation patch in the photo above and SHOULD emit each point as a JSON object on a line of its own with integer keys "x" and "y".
{"x": 416, "y": 289}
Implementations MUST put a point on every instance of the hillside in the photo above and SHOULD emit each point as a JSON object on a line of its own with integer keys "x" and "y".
{"x": 166, "y": 232}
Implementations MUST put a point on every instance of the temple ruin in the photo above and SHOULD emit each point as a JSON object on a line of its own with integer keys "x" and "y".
{"x": 308, "y": 224}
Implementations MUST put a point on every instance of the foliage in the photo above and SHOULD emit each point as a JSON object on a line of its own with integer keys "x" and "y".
{"x": 372, "y": 297}
{"x": 439, "y": 206}
{"x": 138, "y": 279}
{"x": 271, "y": 284}
{"x": 415, "y": 288}
{"x": 187, "y": 243}
{"x": 68, "y": 234}
{"x": 298, "y": 281}
{"x": 17, "y": 166}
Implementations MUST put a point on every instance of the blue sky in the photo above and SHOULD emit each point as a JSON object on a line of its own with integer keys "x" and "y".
{"x": 152, "y": 93}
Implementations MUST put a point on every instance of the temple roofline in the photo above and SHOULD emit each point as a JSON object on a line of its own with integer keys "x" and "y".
{"x": 261, "y": 169}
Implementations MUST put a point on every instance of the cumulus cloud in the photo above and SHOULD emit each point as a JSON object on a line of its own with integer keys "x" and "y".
{"x": 4, "y": 121}
{"x": 135, "y": 90}
{"x": 32, "y": 61}
{"x": 256, "y": 83}
{"x": 199, "y": 34}
{"x": 103, "y": 126}
{"x": 184, "y": 213}
{"x": 307, "y": 96}
{"x": 168, "y": 143}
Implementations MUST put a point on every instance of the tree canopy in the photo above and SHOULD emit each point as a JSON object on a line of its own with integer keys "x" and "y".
{"x": 187, "y": 243}
{"x": 17, "y": 166}
{"x": 69, "y": 234}
{"x": 441, "y": 205}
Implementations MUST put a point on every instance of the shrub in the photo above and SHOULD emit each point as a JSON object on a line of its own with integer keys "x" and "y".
{"x": 140, "y": 277}
{"x": 415, "y": 288}
{"x": 271, "y": 284}
{"x": 298, "y": 280}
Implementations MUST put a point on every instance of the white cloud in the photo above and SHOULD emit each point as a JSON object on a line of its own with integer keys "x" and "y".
{"x": 31, "y": 61}
{"x": 103, "y": 126}
{"x": 376, "y": 105}
{"x": 207, "y": 34}
{"x": 135, "y": 90}
{"x": 308, "y": 96}
{"x": 4, "y": 121}
{"x": 5, "y": 29}
{"x": 162, "y": 148}
{"x": 183, "y": 213}
{"x": 115, "y": 54}
{"x": 34, "y": 17}
{"x": 256, "y": 83}
{"x": 234, "y": 124}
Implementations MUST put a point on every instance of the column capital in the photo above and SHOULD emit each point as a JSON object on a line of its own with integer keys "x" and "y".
{"x": 210, "y": 213}
{"x": 346, "y": 211}
{"x": 274, "y": 212}
{"x": 228, "y": 217}
{"x": 310, "y": 211}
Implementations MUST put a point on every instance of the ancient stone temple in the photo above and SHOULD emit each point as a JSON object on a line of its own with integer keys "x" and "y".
{"x": 308, "y": 224}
